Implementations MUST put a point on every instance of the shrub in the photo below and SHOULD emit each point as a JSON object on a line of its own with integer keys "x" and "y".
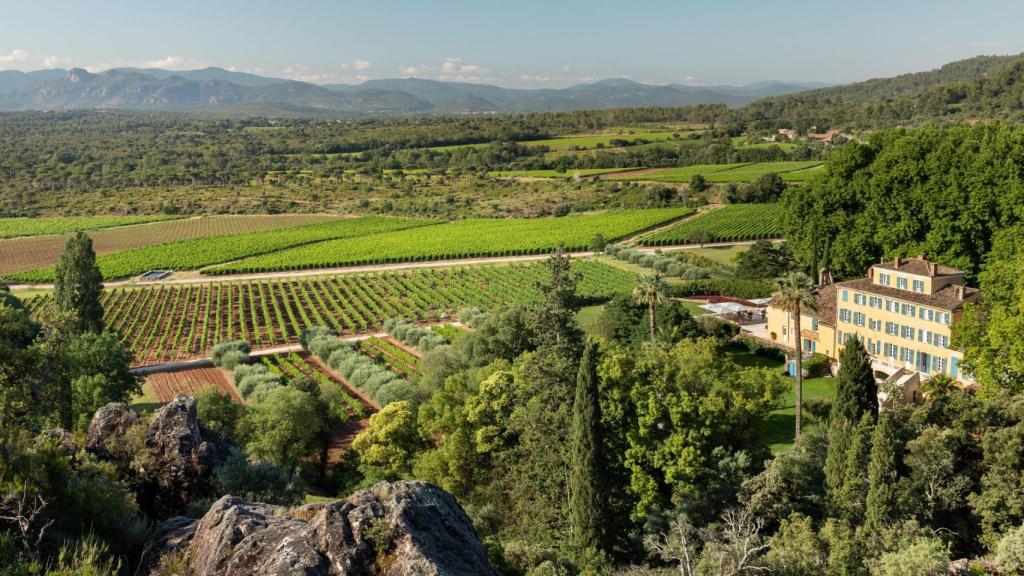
{"x": 323, "y": 346}
{"x": 312, "y": 333}
{"x": 1010, "y": 552}
{"x": 258, "y": 481}
{"x": 232, "y": 358}
{"x": 219, "y": 350}
{"x": 818, "y": 365}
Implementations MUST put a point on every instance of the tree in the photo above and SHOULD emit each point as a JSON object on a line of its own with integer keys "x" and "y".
{"x": 598, "y": 243}
{"x": 794, "y": 295}
{"x": 553, "y": 319}
{"x": 219, "y": 412}
{"x": 764, "y": 260}
{"x": 920, "y": 556}
{"x": 883, "y": 499}
{"x": 938, "y": 386}
{"x": 585, "y": 485}
{"x": 856, "y": 391}
{"x": 853, "y": 493}
{"x": 97, "y": 366}
{"x": 698, "y": 183}
{"x": 78, "y": 284}
{"x": 283, "y": 427}
{"x": 796, "y": 549}
{"x": 650, "y": 289}
{"x": 937, "y": 482}
{"x": 625, "y": 320}
{"x": 699, "y": 237}
{"x": 388, "y": 444}
{"x": 259, "y": 481}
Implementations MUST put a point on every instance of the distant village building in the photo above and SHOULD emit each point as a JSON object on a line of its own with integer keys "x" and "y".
{"x": 902, "y": 313}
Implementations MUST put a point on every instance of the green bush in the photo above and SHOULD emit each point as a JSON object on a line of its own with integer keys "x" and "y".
{"x": 222, "y": 348}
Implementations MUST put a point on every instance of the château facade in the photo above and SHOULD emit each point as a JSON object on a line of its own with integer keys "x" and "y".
{"x": 902, "y": 312}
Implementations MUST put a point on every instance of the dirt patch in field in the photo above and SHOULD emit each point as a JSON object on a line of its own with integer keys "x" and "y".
{"x": 629, "y": 173}
{"x": 190, "y": 382}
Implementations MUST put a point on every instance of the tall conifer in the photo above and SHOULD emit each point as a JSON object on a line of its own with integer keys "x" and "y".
{"x": 585, "y": 475}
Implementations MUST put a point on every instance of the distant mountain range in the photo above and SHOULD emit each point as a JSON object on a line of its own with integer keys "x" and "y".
{"x": 213, "y": 89}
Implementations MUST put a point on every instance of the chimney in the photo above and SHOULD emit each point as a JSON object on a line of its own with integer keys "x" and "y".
{"x": 920, "y": 256}
{"x": 959, "y": 292}
{"x": 933, "y": 269}
{"x": 898, "y": 262}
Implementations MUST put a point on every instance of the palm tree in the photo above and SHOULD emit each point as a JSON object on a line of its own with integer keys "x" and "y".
{"x": 650, "y": 289}
{"x": 937, "y": 385}
{"x": 794, "y": 294}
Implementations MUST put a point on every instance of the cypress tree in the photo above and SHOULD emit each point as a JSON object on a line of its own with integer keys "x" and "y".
{"x": 856, "y": 391}
{"x": 586, "y": 506}
{"x": 78, "y": 284}
{"x": 853, "y": 494}
{"x": 882, "y": 476}
{"x": 839, "y": 433}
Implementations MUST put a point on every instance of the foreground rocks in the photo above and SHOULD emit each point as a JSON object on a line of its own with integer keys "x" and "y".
{"x": 171, "y": 460}
{"x": 390, "y": 529}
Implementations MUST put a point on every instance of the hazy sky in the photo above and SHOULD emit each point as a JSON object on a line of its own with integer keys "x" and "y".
{"x": 513, "y": 42}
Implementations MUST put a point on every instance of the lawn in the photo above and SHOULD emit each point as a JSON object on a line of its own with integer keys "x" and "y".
{"x": 779, "y": 427}
{"x": 722, "y": 254}
{"x": 588, "y": 317}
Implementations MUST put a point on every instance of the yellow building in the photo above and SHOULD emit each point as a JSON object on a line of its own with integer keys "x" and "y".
{"x": 902, "y": 313}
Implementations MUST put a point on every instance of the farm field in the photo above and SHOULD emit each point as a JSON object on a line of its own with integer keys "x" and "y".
{"x": 460, "y": 239}
{"x": 582, "y": 173}
{"x": 728, "y": 223}
{"x": 14, "y": 227}
{"x": 722, "y": 173}
{"x": 18, "y": 254}
{"x": 167, "y": 385}
{"x": 295, "y": 364}
{"x": 170, "y": 322}
{"x": 199, "y": 252}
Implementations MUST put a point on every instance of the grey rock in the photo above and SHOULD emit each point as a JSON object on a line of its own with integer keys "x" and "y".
{"x": 391, "y": 529}
{"x": 107, "y": 429}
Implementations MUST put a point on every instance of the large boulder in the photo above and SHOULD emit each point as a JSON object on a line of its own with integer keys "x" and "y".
{"x": 390, "y": 529}
{"x": 176, "y": 457}
{"x": 107, "y": 430}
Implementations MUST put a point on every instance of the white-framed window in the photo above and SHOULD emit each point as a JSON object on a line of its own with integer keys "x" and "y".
{"x": 907, "y": 332}
{"x": 938, "y": 364}
{"x": 892, "y": 328}
{"x": 884, "y": 279}
{"x": 945, "y": 318}
{"x": 889, "y": 350}
{"x": 844, "y": 315}
{"x": 858, "y": 318}
{"x": 901, "y": 282}
{"x": 814, "y": 324}
{"x": 919, "y": 286}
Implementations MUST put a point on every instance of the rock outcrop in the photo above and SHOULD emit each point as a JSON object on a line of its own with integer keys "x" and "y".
{"x": 390, "y": 529}
{"x": 177, "y": 457}
{"x": 108, "y": 428}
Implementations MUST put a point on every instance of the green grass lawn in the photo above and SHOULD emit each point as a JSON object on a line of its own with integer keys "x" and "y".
{"x": 147, "y": 401}
{"x": 779, "y": 427}
{"x": 572, "y": 173}
{"x": 588, "y": 317}
{"x": 693, "y": 307}
{"x": 722, "y": 254}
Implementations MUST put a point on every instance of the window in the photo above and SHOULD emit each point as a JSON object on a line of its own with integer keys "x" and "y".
{"x": 844, "y": 315}
{"x": 884, "y": 279}
{"x": 945, "y": 318}
{"x": 875, "y": 302}
{"x": 901, "y": 282}
{"x": 930, "y": 314}
{"x": 814, "y": 324}
{"x": 892, "y": 328}
{"x": 889, "y": 350}
{"x": 906, "y": 355}
{"x": 809, "y": 345}
{"x": 846, "y": 296}
{"x": 919, "y": 286}
{"x": 858, "y": 318}
{"x": 875, "y": 325}
{"x": 938, "y": 364}
{"x": 945, "y": 342}
{"x": 907, "y": 332}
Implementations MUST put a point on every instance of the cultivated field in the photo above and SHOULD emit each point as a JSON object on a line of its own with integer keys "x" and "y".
{"x": 18, "y": 254}
{"x": 721, "y": 173}
{"x": 461, "y": 239}
{"x": 14, "y": 227}
{"x": 572, "y": 173}
{"x": 171, "y": 322}
{"x": 728, "y": 223}
{"x": 167, "y": 385}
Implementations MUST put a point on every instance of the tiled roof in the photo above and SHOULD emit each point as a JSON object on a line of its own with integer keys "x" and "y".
{"x": 945, "y": 298}
{"x": 825, "y": 309}
{"x": 917, "y": 267}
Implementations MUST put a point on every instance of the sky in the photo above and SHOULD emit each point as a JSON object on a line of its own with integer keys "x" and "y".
{"x": 514, "y": 43}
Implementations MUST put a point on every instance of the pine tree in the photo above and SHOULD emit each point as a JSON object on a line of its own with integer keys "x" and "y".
{"x": 856, "y": 391}
{"x": 853, "y": 494}
{"x": 78, "y": 284}
{"x": 882, "y": 476}
{"x": 586, "y": 504}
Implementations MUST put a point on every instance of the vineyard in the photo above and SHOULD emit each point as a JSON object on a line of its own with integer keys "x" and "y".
{"x": 199, "y": 252}
{"x": 170, "y": 322}
{"x": 17, "y": 254}
{"x": 730, "y": 223}
{"x": 167, "y": 385}
{"x": 393, "y": 355}
{"x": 14, "y": 227}
{"x": 721, "y": 173}
{"x": 460, "y": 239}
{"x": 294, "y": 364}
